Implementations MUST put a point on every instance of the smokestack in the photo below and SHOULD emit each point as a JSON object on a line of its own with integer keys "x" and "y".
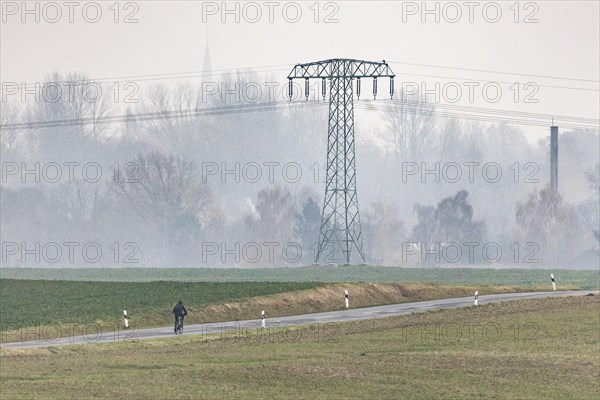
{"x": 554, "y": 158}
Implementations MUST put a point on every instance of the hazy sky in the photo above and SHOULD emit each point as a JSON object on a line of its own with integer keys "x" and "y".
{"x": 169, "y": 37}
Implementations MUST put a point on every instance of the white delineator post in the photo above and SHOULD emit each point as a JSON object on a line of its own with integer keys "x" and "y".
{"x": 263, "y": 321}
{"x": 347, "y": 298}
{"x": 476, "y": 296}
{"x": 553, "y": 282}
{"x": 125, "y": 319}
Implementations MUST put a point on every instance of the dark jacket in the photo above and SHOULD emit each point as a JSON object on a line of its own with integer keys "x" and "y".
{"x": 179, "y": 310}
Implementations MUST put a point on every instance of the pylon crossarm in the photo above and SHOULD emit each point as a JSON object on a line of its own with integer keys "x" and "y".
{"x": 341, "y": 68}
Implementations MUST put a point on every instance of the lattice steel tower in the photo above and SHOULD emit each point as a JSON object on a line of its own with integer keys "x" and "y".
{"x": 340, "y": 219}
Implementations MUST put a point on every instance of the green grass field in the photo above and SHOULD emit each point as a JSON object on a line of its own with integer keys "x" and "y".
{"x": 538, "y": 349}
{"x": 30, "y": 303}
{"x": 580, "y": 279}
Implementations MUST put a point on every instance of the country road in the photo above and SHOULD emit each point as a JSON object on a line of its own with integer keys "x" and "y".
{"x": 316, "y": 318}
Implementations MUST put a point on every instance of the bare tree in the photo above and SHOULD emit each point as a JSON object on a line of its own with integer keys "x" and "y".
{"x": 387, "y": 233}
{"x": 307, "y": 225}
{"x": 589, "y": 210}
{"x": 76, "y": 99}
{"x": 162, "y": 190}
{"x": 412, "y": 129}
{"x": 82, "y": 203}
{"x": 273, "y": 219}
{"x": 546, "y": 221}
{"x": 450, "y": 222}
{"x": 592, "y": 177}
{"x": 11, "y": 139}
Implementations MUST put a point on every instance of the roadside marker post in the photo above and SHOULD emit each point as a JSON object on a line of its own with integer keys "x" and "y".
{"x": 476, "y": 296}
{"x": 263, "y": 321}
{"x": 125, "y": 319}
{"x": 347, "y": 298}
{"x": 553, "y": 282}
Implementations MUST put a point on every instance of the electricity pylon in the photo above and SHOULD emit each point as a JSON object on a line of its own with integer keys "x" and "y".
{"x": 340, "y": 219}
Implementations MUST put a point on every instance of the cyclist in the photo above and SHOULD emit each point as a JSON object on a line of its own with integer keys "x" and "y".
{"x": 180, "y": 312}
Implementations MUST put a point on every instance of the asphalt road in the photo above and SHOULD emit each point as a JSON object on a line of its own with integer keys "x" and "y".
{"x": 93, "y": 335}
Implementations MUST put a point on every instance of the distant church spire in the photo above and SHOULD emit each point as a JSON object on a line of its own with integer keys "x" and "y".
{"x": 207, "y": 67}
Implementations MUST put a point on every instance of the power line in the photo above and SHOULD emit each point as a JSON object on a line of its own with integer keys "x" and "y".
{"x": 492, "y": 111}
{"x": 457, "y": 111}
{"x": 166, "y": 76}
{"x": 505, "y": 82}
{"x": 538, "y": 121}
{"x": 475, "y": 116}
{"x": 492, "y": 119}
{"x": 221, "y": 110}
{"x": 201, "y": 73}
{"x": 497, "y": 72}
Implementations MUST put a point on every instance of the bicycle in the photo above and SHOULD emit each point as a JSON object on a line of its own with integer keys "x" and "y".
{"x": 179, "y": 325}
